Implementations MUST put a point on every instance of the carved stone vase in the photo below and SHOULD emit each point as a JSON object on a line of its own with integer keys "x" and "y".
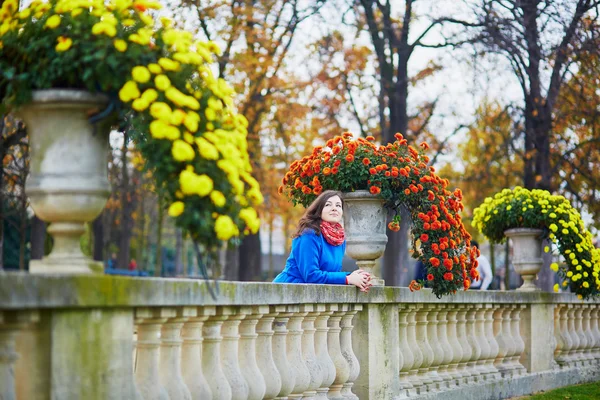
{"x": 365, "y": 227}
{"x": 527, "y": 255}
{"x": 68, "y": 183}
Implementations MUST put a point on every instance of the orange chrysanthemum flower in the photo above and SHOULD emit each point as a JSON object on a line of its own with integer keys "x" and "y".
{"x": 374, "y": 190}
{"x": 366, "y": 161}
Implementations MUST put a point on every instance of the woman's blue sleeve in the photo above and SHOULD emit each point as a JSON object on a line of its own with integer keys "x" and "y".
{"x": 307, "y": 258}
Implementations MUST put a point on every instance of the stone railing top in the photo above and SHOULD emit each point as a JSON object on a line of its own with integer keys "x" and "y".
{"x": 23, "y": 291}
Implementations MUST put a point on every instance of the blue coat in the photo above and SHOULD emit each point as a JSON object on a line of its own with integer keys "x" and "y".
{"x": 313, "y": 260}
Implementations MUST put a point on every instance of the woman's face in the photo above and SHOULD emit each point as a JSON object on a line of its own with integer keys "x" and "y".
{"x": 332, "y": 212}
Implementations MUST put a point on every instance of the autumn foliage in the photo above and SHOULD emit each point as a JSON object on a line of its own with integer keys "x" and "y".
{"x": 398, "y": 173}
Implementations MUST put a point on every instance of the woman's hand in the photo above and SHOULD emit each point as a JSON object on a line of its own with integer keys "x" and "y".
{"x": 361, "y": 279}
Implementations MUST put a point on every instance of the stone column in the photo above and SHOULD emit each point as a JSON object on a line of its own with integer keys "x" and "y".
{"x": 559, "y": 352}
{"x": 342, "y": 369}
{"x": 581, "y": 334}
{"x": 493, "y": 373}
{"x": 537, "y": 333}
{"x": 280, "y": 357}
{"x": 170, "y": 353}
{"x": 247, "y": 351}
{"x": 595, "y": 315}
{"x": 147, "y": 377}
{"x": 573, "y": 357}
{"x": 473, "y": 341}
{"x": 325, "y": 360}
{"x": 308, "y": 349}
{"x": 264, "y": 352}
{"x": 375, "y": 342}
{"x": 483, "y": 342}
{"x": 294, "y": 352}
{"x": 406, "y": 359}
{"x": 520, "y": 343}
{"x": 436, "y": 346}
{"x": 447, "y": 350}
{"x": 417, "y": 353}
{"x": 348, "y": 352}
{"x": 467, "y": 352}
{"x": 11, "y": 324}
{"x": 423, "y": 343}
{"x": 455, "y": 344}
{"x": 191, "y": 354}
{"x": 211, "y": 355}
{"x": 230, "y": 360}
{"x": 587, "y": 330}
{"x": 503, "y": 336}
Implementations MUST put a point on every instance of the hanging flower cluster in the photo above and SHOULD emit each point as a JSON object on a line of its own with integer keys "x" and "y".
{"x": 523, "y": 208}
{"x": 182, "y": 116}
{"x": 398, "y": 174}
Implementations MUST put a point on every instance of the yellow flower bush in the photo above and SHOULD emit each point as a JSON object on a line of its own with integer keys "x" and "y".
{"x": 522, "y": 208}
{"x": 160, "y": 80}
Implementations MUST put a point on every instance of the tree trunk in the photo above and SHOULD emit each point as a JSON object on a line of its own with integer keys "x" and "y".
{"x": 23, "y": 232}
{"x": 250, "y": 252}
{"x": 231, "y": 269}
{"x": 507, "y": 266}
{"x": 178, "y": 252}
{"x": 38, "y": 238}
{"x": 98, "y": 235}
{"x": 126, "y": 210}
{"x": 159, "y": 229}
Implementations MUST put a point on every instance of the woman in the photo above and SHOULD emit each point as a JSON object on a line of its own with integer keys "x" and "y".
{"x": 318, "y": 247}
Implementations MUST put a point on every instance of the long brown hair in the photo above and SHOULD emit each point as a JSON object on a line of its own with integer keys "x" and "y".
{"x": 312, "y": 216}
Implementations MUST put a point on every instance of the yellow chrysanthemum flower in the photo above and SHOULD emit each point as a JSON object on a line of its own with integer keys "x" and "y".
{"x": 162, "y": 82}
{"x": 217, "y": 198}
{"x": 64, "y": 44}
{"x": 155, "y": 68}
{"x": 140, "y": 74}
{"x": 52, "y": 22}
{"x": 554, "y": 267}
{"x": 120, "y": 45}
{"x": 168, "y": 64}
{"x": 176, "y": 209}
{"x": 182, "y": 151}
{"x": 556, "y": 287}
{"x": 129, "y": 92}
{"x": 207, "y": 150}
{"x": 225, "y": 228}
{"x": 104, "y": 28}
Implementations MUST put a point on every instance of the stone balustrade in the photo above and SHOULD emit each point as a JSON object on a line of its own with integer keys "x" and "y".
{"x": 104, "y": 337}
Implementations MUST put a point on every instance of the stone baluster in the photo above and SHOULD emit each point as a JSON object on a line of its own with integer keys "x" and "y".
{"x": 595, "y": 321}
{"x": 566, "y": 356}
{"x": 559, "y": 351}
{"x": 423, "y": 343}
{"x": 519, "y": 369}
{"x": 581, "y": 334}
{"x": 211, "y": 355}
{"x": 264, "y": 352}
{"x": 149, "y": 322}
{"x": 342, "y": 369}
{"x": 457, "y": 351}
{"x": 294, "y": 352}
{"x": 436, "y": 346}
{"x": 11, "y": 323}
{"x": 348, "y": 352}
{"x": 512, "y": 341}
{"x": 474, "y": 343}
{"x": 170, "y": 353}
{"x": 191, "y": 354}
{"x": 587, "y": 332}
{"x": 573, "y": 357}
{"x": 247, "y": 351}
{"x": 406, "y": 352}
{"x": 461, "y": 328}
{"x": 308, "y": 349}
{"x": 413, "y": 376}
{"x": 230, "y": 360}
{"x": 482, "y": 342}
{"x": 327, "y": 365}
{"x": 447, "y": 352}
{"x": 503, "y": 338}
{"x": 287, "y": 372}
{"x": 494, "y": 348}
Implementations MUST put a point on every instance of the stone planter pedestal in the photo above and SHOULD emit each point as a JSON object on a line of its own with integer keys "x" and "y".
{"x": 365, "y": 223}
{"x": 68, "y": 183}
{"x": 527, "y": 255}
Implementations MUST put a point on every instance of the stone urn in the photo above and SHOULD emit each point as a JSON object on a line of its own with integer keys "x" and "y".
{"x": 365, "y": 226}
{"x": 68, "y": 182}
{"x": 527, "y": 255}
